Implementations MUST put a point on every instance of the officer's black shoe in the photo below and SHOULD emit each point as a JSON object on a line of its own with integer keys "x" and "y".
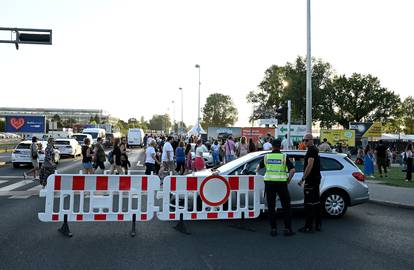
{"x": 306, "y": 230}
{"x": 288, "y": 232}
{"x": 273, "y": 232}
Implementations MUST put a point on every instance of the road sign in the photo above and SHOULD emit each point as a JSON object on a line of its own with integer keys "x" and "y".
{"x": 295, "y": 130}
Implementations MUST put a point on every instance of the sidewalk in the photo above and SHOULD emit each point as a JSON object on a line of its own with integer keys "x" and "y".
{"x": 389, "y": 195}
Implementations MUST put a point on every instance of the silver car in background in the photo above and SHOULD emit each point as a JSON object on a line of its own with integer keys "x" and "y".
{"x": 342, "y": 183}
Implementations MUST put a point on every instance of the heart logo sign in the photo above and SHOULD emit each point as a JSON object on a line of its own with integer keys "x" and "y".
{"x": 17, "y": 123}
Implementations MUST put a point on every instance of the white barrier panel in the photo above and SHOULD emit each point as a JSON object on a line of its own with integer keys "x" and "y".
{"x": 212, "y": 197}
{"x": 99, "y": 197}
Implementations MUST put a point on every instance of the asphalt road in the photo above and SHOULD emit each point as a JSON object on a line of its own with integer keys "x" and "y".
{"x": 369, "y": 236}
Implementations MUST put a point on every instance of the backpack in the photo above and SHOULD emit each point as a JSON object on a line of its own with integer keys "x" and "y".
{"x": 111, "y": 157}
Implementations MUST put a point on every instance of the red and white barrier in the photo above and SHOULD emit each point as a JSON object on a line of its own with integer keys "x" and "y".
{"x": 99, "y": 198}
{"x": 212, "y": 197}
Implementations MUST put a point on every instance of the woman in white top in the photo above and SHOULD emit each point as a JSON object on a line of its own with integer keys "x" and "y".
{"x": 199, "y": 160}
{"x": 242, "y": 147}
{"x": 151, "y": 158}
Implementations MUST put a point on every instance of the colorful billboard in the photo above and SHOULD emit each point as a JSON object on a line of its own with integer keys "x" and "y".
{"x": 29, "y": 124}
{"x": 257, "y": 132}
{"x": 345, "y": 137}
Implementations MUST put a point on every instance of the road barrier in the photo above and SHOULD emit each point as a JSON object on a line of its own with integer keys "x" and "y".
{"x": 80, "y": 198}
{"x": 83, "y": 198}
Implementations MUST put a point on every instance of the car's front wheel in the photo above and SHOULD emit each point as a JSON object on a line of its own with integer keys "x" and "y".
{"x": 334, "y": 203}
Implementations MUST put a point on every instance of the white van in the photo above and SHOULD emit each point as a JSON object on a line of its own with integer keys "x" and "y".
{"x": 95, "y": 133}
{"x": 135, "y": 137}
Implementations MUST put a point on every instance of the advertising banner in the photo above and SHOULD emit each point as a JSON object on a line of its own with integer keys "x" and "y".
{"x": 30, "y": 124}
{"x": 256, "y": 132}
{"x": 223, "y": 132}
{"x": 366, "y": 129}
{"x": 345, "y": 137}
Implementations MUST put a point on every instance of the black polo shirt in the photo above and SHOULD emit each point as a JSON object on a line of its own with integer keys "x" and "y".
{"x": 314, "y": 176}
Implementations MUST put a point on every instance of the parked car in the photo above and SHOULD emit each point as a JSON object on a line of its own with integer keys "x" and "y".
{"x": 342, "y": 183}
{"x": 68, "y": 147}
{"x": 80, "y": 137}
{"x": 95, "y": 133}
{"x": 135, "y": 137}
{"x": 21, "y": 154}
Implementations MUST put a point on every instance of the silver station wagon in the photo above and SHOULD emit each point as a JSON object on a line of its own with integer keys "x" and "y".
{"x": 342, "y": 183}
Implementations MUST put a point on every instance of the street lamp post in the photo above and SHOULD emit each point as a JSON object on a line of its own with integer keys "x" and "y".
{"x": 198, "y": 110}
{"x": 173, "y": 105}
{"x": 182, "y": 111}
{"x": 308, "y": 73}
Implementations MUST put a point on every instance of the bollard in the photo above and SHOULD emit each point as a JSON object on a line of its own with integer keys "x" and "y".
{"x": 134, "y": 218}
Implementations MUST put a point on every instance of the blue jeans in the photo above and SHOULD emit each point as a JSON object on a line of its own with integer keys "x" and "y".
{"x": 216, "y": 158}
{"x": 229, "y": 158}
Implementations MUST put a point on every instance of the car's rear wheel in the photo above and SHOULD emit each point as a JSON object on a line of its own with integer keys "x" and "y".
{"x": 334, "y": 203}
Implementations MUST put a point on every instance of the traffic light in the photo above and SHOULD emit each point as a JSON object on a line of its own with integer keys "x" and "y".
{"x": 282, "y": 114}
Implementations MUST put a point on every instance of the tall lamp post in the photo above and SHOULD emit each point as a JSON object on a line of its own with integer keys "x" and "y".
{"x": 308, "y": 73}
{"x": 198, "y": 110}
{"x": 182, "y": 111}
{"x": 173, "y": 111}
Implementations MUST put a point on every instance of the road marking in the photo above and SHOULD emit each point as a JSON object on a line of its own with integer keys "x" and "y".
{"x": 3, "y": 181}
{"x": 16, "y": 185}
{"x": 11, "y": 177}
{"x": 139, "y": 163}
{"x": 35, "y": 188}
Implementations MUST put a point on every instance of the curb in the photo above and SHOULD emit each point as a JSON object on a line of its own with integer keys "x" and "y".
{"x": 392, "y": 204}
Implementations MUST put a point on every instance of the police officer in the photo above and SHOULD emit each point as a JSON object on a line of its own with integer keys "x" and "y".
{"x": 312, "y": 180}
{"x": 276, "y": 182}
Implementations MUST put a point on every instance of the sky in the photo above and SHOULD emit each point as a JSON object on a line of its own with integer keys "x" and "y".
{"x": 131, "y": 57}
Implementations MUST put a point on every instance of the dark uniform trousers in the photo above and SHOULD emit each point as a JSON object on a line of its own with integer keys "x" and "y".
{"x": 312, "y": 205}
{"x": 281, "y": 189}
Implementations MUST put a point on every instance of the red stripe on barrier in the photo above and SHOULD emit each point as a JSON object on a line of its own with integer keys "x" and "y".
{"x": 100, "y": 217}
{"x": 191, "y": 183}
{"x": 251, "y": 214}
{"x": 230, "y": 215}
{"x": 102, "y": 183}
{"x": 58, "y": 181}
{"x": 120, "y": 216}
{"x": 212, "y": 215}
{"x": 78, "y": 183}
{"x": 143, "y": 216}
{"x": 173, "y": 184}
{"x": 193, "y": 215}
{"x": 172, "y": 216}
{"x": 55, "y": 217}
{"x": 251, "y": 182}
{"x": 125, "y": 183}
{"x": 79, "y": 217}
{"x": 234, "y": 182}
{"x": 144, "y": 183}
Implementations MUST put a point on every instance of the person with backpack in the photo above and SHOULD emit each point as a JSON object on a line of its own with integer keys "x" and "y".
{"x": 49, "y": 165}
{"x": 99, "y": 156}
{"x": 116, "y": 158}
{"x": 125, "y": 164}
{"x": 34, "y": 154}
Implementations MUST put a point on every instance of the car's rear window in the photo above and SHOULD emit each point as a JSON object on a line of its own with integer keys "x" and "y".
{"x": 79, "y": 137}
{"x": 62, "y": 142}
{"x": 24, "y": 146}
{"x": 330, "y": 164}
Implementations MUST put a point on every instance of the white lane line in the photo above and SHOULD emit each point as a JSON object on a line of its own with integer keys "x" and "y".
{"x": 35, "y": 188}
{"x": 11, "y": 177}
{"x": 3, "y": 181}
{"x": 16, "y": 185}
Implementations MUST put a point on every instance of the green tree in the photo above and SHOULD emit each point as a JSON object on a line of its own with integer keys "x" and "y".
{"x": 219, "y": 111}
{"x": 160, "y": 122}
{"x": 362, "y": 98}
{"x": 408, "y": 115}
{"x": 283, "y": 83}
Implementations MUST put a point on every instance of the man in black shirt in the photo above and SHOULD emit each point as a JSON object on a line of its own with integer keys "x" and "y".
{"x": 381, "y": 152}
{"x": 312, "y": 179}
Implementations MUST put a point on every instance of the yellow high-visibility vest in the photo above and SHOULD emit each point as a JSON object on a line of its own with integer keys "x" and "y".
{"x": 276, "y": 168}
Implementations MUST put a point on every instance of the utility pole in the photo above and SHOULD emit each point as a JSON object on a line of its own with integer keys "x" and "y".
{"x": 309, "y": 73}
